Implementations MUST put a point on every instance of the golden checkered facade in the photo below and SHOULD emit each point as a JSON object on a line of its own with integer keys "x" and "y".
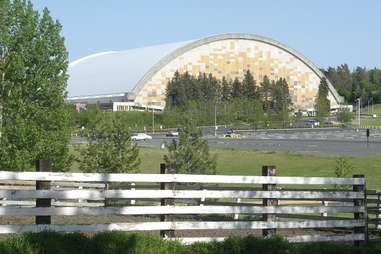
{"x": 231, "y": 58}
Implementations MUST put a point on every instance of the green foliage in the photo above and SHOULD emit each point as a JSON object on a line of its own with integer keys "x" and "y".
{"x": 235, "y": 101}
{"x": 190, "y": 154}
{"x": 248, "y": 86}
{"x": 34, "y": 119}
{"x": 44, "y": 242}
{"x": 125, "y": 243}
{"x": 109, "y": 148}
{"x": 359, "y": 83}
{"x": 322, "y": 103}
{"x": 345, "y": 116}
{"x": 343, "y": 168}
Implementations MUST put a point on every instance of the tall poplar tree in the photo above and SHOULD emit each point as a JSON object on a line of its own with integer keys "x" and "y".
{"x": 33, "y": 77}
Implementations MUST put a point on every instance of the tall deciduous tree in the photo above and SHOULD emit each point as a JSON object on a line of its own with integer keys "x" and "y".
{"x": 190, "y": 154}
{"x": 35, "y": 121}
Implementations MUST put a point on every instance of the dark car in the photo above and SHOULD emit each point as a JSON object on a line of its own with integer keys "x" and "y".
{"x": 172, "y": 134}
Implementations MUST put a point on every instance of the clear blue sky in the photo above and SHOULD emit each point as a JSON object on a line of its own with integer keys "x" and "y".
{"x": 328, "y": 32}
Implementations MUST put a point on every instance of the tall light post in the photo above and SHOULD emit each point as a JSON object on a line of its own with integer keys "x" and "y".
{"x": 153, "y": 121}
{"x": 359, "y": 110}
{"x": 215, "y": 119}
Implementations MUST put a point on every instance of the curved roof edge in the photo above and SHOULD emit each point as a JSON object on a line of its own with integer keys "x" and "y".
{"x": 74, "y": 63}
{"x": 167, "y": 59}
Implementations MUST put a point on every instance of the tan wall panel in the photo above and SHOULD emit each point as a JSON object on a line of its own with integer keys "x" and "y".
{"x": 231, "y": 58}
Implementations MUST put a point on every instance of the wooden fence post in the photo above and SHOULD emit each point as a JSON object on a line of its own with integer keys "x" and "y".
{"x": 132, "y": 201}
{"x": 43, "y": 166}
{"x": 165, "y": 169}
{"x": 362, "y": 215}
{"x": 269, "y": 171}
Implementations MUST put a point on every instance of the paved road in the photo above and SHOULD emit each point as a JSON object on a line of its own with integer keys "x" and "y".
{"x": 312, "y": 141}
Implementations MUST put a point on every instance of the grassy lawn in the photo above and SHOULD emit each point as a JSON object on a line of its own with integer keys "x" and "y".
{"x": 370, "y": 122}
{"x": 376, "y": 107}
{"x": 249, "y": 162}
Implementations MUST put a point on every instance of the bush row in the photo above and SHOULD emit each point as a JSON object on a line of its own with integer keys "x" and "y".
{"x": 120, "y": 242}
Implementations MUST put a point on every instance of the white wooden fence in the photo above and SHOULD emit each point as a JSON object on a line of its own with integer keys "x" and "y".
{"x": 31, "y": 185}
{"x": 248, "y": 196}
{"x": 374, "y": 210}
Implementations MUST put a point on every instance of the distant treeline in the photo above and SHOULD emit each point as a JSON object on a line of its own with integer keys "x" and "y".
{"x": 184, "y": 89}
{"x": 234, "y": 100}
{"x": 359, "y": 83}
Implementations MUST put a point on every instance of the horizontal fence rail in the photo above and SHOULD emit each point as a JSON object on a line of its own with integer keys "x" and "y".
{"x": 148, "y": 210}
{"x": 182, "y": 225}
{"x": 175, "y": 178}
{"x": 187, "y": 202}
{"x": 155, "y": 194}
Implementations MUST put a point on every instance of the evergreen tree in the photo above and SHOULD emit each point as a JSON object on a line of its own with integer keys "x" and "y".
{"x": 190, "y": 154}
{"x": 360, "y": 83}
{"x": 237, "y": 89}
{"x": 176, "y": 93}
{"x": 34, "y": 118}
{"x": 226, "y": 90}
{"x": 322, "y": 104}
{"x": 248, "y": 86}
{"x": 109, "y": 148}
{"x": 266, "y": 90}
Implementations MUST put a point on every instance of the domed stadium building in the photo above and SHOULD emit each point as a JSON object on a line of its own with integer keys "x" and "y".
{"x": 136, "y": 79}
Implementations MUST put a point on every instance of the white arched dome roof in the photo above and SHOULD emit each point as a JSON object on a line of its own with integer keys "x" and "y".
{"x": 114, "y": 71}
{"x": 131, "y": 71}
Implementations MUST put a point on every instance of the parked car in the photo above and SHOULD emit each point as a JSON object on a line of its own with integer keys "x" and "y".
{"x": 140, "y": 136}
{"x": 172, "y": 134}
{"x": 231, "y": 134}
{"x": 306, "y": 123}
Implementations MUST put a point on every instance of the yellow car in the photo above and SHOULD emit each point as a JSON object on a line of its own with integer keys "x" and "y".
{"x": 232, "y": 135}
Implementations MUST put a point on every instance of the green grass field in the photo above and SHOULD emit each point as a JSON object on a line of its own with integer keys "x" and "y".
{"x": 376, "y": 107}
{"x": 370, "y": 122}
{"x": 249, "y": 162}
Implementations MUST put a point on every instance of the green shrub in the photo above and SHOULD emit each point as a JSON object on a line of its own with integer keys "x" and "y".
{"x": 126, "y": 243}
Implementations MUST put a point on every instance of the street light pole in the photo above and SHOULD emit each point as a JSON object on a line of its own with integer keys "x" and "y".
{"x": 359, "y": 110}
{"x": 153, "y": 121}
{"x": 215, "y": 119}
